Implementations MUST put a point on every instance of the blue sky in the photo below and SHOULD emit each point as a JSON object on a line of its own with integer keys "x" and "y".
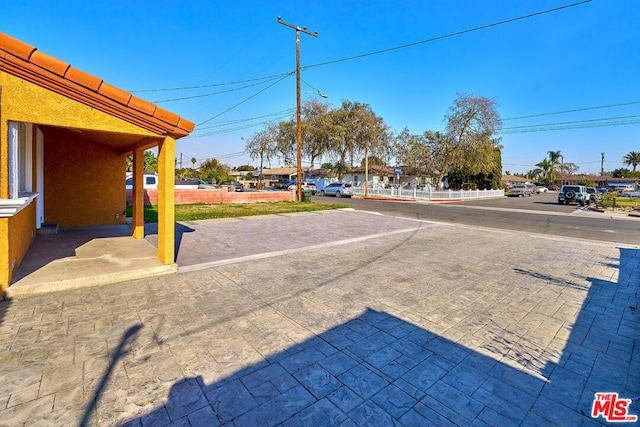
{"x": 578, "y": 58}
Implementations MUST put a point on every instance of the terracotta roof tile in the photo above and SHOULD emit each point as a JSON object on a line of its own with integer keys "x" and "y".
{"x": 142, "y": 105}
{"x": 26, "y": 62}
{"x": 115, "y": 93}
{"x": 167, "y": 116}
{"x": 49, "y": 62}
{"x": 16, "y": 47}
{"x": 84, "y": 79}
{"x": 186, "y": 125}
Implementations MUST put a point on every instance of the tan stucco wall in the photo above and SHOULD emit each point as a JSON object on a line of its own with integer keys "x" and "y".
{"x": 79, "y": 190}
{"x": 16, "y": 235}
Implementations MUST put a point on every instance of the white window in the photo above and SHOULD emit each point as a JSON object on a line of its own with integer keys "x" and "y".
{"x": 20, "y": 159}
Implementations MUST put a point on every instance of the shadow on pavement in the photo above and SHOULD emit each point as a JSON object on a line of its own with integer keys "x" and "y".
{"x": 377, "y": 369}
{"x": 4, "y": 308}
{"x": 47, "y": 248}
{"x": 151, "y": 234}
{"x": 121, "y": 351}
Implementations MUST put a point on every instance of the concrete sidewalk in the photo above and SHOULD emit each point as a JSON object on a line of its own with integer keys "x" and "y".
{"x": 400, "y": 322}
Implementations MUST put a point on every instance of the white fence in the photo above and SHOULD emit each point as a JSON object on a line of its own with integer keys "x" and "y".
{"x": 428, "y": 194}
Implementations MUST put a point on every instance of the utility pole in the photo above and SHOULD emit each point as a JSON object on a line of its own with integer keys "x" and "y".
{"x": 602, "y": 164}
{"x": 298, "y": 119}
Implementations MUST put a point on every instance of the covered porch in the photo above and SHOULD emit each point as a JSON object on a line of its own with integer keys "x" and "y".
{"x": 84, "y": 257}
{"x": 65, "y": 136}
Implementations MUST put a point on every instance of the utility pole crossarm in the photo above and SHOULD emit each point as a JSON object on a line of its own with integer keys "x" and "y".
{"x": 295, "y": 27}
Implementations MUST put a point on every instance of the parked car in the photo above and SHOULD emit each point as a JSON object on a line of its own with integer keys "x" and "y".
{"x": 338, "y": 189}
{"x": 306, "y": 185}
{"x": 520, "y": 190}
{"x": 150, "y": 181}
{"x": 594, "y": 195}
{"x": 574, "y": 194}
{"x": 553, "y": 187}
{"x": 205, "y": 185}
{"x": 541, "y": 189}
{"x": 629, "y": 194}
{"x": 235, "y": 184}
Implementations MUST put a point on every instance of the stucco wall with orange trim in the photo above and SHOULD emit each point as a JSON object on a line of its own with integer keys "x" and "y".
{"x": 79, "y": 190}
{"x": 17, "y": 233}
{"x": 34, "y": 104}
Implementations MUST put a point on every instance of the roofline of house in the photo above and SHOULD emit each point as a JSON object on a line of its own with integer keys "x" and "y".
{"x": 26, "y": 62}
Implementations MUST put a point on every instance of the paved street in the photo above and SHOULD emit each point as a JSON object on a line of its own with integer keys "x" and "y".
{"x": 398, "y": 322}
{"x": 537, "y": 214}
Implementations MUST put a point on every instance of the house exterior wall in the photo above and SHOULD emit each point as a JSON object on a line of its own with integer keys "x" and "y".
{"x": 23, "y": 101}
{"x": 31, "y": 103}
{"x": 79, "y": 190}
{"x": 17, "y": 233}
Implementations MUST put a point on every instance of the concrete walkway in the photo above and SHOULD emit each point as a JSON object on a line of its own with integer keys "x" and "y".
{"x": 397, "y": 322}
{"x": 84, "y": 257}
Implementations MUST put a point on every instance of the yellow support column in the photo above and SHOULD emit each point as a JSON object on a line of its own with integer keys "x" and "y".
{"x": 137, "y": 218}
{"x": 166, "y": 200}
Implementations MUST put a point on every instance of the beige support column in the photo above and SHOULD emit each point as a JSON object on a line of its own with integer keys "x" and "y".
{"x": 166, "y": 200}
{"x": 137, "y": 218}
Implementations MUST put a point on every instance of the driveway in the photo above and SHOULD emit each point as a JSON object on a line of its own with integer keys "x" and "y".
{"x": 406, "y": 322}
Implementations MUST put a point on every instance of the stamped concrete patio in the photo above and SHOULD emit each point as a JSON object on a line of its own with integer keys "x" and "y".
{"x": 406, "y": 322}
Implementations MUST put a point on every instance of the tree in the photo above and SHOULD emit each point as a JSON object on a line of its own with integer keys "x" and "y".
{"x": 315, "y": 129}
{"x": 262, "y": 145}
{"x": 150, "y": 162}
{"x": 546, "y": 169}
{"x": 373, "y": 160}
{"x": 193, "y": 162}
{"x": 568, "y": 168}
{"x": 469, "y": 147}
{"x": 555, "y": 164}
{"x": 354, "y": 130}
{"x": 419, "y": 152}
{"x": 632, "y": 159}
{"x": 212, "y": 170}
{"x": 620, "y": 173}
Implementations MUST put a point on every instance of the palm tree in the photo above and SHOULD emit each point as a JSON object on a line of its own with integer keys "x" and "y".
{"x": 546, "y": 167}
{"x": 554, "y": 160}
{"x": 632, "y": 159}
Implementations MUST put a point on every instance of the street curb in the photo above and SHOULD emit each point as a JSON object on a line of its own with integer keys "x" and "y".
{"x": 388, "y": 199}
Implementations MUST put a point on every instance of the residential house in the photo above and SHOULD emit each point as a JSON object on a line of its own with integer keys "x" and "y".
{"x": 386, "y": 176}
{"x": 272, "y": 175}
{"x": 64, "y": 138}
{"x": 601, "y": 181}
{"x": 509, "y": 180}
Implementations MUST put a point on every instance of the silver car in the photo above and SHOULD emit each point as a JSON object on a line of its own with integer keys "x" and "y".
{"x": 338, "y": 189}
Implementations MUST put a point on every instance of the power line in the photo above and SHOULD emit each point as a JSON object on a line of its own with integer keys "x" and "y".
{"x": 586, "y": 126}
{"x": 457, "y": 33}
{"x": 275, "y": 76}
{"x": 245, "y": 100}
{"x": 211, "y": 93}
{"x": 377, "y": 52}
{"x": 573, "y": 111}
{"x": 230, "y": 122}
{"x": 575, "y": 124}
{"x": 191, "y": 136}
